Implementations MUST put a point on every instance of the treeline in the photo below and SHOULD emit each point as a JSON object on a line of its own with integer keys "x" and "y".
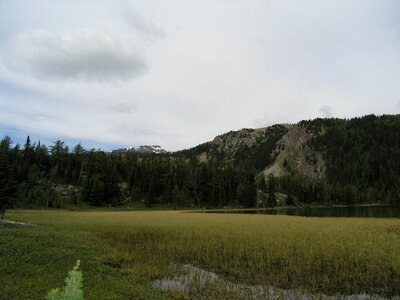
{"x": 362, "y": 157}
{"x": 36, "y": 174}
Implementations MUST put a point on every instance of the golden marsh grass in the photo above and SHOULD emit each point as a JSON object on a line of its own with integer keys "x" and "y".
{"x": 320, "y": 255}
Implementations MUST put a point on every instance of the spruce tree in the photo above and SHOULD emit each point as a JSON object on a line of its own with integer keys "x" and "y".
{"x": 8, "y": 186}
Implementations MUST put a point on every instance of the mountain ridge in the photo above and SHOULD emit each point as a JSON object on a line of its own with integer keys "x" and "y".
{"x": 343, "y": 157}
{"x": 320, "y": 161}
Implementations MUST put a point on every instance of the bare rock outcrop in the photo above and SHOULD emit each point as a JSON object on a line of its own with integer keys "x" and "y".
{"x": 234, "y": 139}
{"x": 293, "y": 151}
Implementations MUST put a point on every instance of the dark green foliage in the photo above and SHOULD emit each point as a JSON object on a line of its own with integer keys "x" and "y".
{"x": 246, "y": 193}
{"x": 113, "y": 179}
{"x": 7, "y": 182}
{"x": 271, "y": 199}
{"x": 362, "y": 158}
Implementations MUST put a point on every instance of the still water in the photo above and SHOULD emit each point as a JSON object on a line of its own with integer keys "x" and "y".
{"x": 202, "y": 284}
{"x": 376, "y": 211}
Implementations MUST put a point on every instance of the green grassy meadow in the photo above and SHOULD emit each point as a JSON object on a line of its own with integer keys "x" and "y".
{"x": 123, "y": 252}
{"x": 35, "y": 260}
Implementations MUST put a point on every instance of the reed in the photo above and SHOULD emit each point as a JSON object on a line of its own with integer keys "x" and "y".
{"x": 318, "y": 255}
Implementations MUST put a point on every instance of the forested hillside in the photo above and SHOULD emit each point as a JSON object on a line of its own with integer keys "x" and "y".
{"x": 325, "y": 161}
{"x": 362, "y": 154}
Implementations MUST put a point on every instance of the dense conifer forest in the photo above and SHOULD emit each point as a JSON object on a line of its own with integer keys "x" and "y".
{"x": 362, "y": 157}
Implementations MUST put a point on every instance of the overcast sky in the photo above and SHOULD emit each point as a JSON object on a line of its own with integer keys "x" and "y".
{"x": 115, "y": 73}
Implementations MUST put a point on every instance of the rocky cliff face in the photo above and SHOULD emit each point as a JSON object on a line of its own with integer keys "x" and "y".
{"x": 294, "y": 152}
{"x": 232, "y": 140}
{"x": 251, "y": 148}
{"x": 279, "y": 149}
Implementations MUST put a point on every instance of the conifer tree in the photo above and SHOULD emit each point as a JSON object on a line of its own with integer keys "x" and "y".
{"x": 7, "y": 182}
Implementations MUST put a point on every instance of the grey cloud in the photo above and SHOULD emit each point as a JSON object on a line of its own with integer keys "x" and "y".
{"x": 268, "y": 120}
{"x": 327, "y": 111}
{"x": 141, "y": 25}
{"x": 123, "y": 107}
{"x": 262, "y": 122}
{"x": 134, "y": 132}
{"x": 39, "y": 117}
{"x": 79, "y": 54}
{"x": 225, "y": 82}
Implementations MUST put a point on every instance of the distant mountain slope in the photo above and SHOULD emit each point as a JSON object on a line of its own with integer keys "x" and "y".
{"x": 348, "y": 157}
{"x": 276, "y": 150}
{"x": 294, "y": 152}
{"x": 141, "y": 149}
{"x": 321, "y": 161}
{"x": 363, "y": 153}
{"x": 249, "y": 148}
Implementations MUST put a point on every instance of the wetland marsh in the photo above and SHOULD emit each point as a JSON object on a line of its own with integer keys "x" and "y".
{"x": 321, "y": 256}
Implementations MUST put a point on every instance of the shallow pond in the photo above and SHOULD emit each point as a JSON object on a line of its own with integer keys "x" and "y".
{"x": 372, "y": 211}
{"x": 201, "y": 284}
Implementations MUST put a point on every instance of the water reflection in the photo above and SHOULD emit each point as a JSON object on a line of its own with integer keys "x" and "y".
{"x": 376, "y": 211}
{"x": 201, "y": 284}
